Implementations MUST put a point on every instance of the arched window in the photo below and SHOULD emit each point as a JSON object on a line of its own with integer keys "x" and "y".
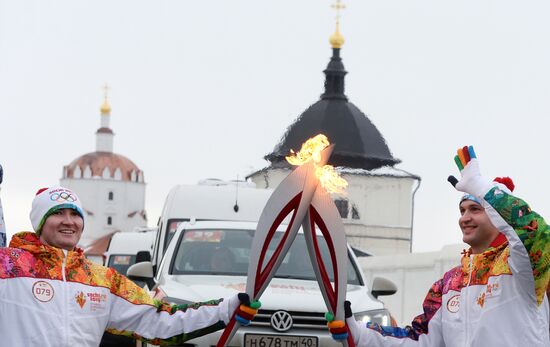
{"x": 109, "y": 220}
{"x": 77, "y": 173}
{"x": 343, "y": 207}
{"x": 118, "y": 174}
{"x": 87, "y": 173}
{"x": 111, "y": 196}
{"x": 355, "y": 213}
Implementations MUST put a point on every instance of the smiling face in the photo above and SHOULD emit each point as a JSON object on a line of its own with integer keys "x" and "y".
{"x": 477, "y": 229}
{"x": 62, "y": 229}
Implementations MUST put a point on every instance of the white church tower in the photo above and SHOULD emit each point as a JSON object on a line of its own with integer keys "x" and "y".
{"x": 111, "y": 186}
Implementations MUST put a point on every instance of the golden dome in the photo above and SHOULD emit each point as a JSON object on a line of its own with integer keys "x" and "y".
{"x": 337, "y": 40}
{"x": 106, "y": 107}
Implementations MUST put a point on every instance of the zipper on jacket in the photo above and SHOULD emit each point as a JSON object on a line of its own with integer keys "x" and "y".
{"x": 65, "y": 299}
{"x": 466, "y": 304}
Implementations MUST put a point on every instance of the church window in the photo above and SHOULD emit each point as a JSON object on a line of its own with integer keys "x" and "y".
{"x": 109, "y": 220}
{"x": 87, "y": 173}
{"x": 343, "y": 207}
{"x": 111, "y": 196}
{"x": 118, "y": 174}
{"x": 77, "y": 173}
{"x": 354, "y": 212}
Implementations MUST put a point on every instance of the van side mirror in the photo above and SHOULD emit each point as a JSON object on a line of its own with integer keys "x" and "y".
{"x": 142, "y": 272}
{"x": 382, "y": 286}
{"x": 142, "y": 256}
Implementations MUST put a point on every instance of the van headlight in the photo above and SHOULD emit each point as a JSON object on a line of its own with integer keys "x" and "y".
{"x": 381, "y": 317}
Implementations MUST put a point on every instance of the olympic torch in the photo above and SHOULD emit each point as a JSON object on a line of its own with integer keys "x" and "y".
{"x": 303, "y": 196}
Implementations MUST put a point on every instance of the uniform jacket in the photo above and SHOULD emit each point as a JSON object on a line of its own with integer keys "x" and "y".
{"x": 497, "y": 298}
{"x": 51, "y": 297}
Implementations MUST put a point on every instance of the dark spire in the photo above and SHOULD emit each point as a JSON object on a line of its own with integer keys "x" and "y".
{"x": 334, "y": 80}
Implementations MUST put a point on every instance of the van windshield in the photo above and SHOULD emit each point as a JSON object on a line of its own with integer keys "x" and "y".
{"x": 227, "y": 252}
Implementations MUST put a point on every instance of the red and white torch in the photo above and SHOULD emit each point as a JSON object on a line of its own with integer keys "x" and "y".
{"x": 304, "y": 196}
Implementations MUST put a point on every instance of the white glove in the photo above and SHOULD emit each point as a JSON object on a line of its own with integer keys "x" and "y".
{"x": 471, "y": 181}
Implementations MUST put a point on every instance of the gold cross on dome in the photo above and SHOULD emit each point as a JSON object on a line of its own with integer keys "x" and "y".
{"x": 105, "y": 90}
{"x": 338, "y": 6}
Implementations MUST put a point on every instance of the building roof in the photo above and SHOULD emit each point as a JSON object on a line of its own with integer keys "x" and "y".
{"x": 358, "y": 143}
{"x": 98, "y": 161}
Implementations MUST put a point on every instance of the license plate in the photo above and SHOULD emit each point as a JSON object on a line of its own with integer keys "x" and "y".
{"x": 260, "y": 340}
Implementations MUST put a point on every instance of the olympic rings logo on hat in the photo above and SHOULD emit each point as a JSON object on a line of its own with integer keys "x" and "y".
{"x": 63, "y": 196}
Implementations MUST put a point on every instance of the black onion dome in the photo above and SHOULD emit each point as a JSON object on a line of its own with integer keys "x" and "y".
{"x": 358, "y": 143}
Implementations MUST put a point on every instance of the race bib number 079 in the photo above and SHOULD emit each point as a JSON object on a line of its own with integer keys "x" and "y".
{"x": 42, "y": 291}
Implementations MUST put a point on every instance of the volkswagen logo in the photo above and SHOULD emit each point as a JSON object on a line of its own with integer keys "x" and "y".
{"x": 281, "y": 321}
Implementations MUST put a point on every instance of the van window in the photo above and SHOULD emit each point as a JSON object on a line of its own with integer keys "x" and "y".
{"x": 121, "y": 262}
{"x": 227, "y": 252}
{"x": 171, "y": 227}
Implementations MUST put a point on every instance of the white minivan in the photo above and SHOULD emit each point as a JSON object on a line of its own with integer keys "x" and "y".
{"x": 208, "y": 259}
{"x": 210, "y": 199}
{"x": 125, "y": 247}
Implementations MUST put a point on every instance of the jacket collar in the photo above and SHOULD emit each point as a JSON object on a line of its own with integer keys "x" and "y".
{"x": 499, "y": 240}
{"x": 497, "y": 243}
{"x": 30, "y": 242}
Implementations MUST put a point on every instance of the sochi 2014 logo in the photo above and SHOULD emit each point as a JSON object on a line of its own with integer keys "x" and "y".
{"x": 60, "y": 195}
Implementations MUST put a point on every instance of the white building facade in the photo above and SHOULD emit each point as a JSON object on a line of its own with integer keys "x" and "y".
{"x": 377, "y": 209}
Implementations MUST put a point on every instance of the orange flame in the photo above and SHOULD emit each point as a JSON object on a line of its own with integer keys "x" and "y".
{"x": 330, "y": 179}
{"x": 327, "y": 175}
{"x": 311, "y": 149}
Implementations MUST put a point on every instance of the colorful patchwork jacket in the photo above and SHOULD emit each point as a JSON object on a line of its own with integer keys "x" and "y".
{"x": 51, "y": 297}
{"x": 497, "y": 298}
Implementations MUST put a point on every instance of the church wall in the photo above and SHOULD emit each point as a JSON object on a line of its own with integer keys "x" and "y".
{"x": 413, "y": 274}
{"x": 127, "y": 196}
{"x": 384, "y": 205}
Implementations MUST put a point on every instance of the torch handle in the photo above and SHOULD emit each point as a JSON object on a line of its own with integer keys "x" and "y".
{"x": 324, "y": 215}
{"x": 229, "y": 331}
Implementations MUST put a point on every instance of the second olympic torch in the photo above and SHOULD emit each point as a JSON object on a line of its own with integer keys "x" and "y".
{"x": 303, "y": 197}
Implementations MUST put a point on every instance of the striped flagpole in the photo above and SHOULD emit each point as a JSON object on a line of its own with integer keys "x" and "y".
{"x": 2, "y": 225}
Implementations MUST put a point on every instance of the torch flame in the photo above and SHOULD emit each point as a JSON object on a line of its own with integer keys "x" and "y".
{"x": 330, "y": 179}
{"x": 311, "y": 149}
{"x": 327, "y": 175}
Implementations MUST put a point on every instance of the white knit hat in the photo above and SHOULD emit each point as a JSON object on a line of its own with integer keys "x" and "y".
{"x": 49, "y": 200}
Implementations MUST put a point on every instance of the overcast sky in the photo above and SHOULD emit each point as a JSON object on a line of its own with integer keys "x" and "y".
{"x": 207, "y": 88}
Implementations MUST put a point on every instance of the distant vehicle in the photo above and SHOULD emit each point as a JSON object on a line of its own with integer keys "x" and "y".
{"x": 124, "y": 247}
{"x": 202, "y": 252}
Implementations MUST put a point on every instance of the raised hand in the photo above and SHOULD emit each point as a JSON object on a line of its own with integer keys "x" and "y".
{"x": 471, "y": 180}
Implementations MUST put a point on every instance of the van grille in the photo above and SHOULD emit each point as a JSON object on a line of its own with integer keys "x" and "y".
{"x": 302, "y": 320}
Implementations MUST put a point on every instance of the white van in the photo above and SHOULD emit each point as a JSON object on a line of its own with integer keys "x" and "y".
{"x": 209, "y": 200}
{"x": 202, "y": 252}
{"x": 124, "y": 247}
